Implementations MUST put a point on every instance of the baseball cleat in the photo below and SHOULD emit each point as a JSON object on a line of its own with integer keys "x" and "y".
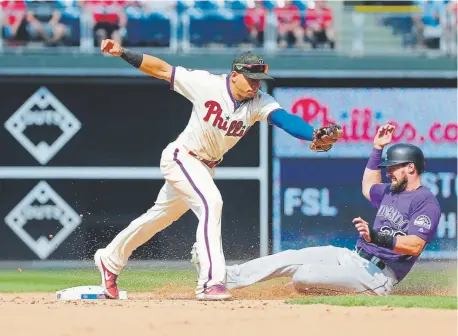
{"x": 214, "y": 293}
{"x": 109, "y": 284}
{"x": 195, "y": 258}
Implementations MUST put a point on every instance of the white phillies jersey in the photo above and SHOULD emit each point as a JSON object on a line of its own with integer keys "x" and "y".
{"x": 216, "y": 124}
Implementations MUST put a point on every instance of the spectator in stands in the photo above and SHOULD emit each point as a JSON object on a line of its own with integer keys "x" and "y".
{"x": 319, "y": 25}
{"x": 33, "y": 21}
{"x": 290, "y": 30}
{"x": 428, "y": 23}
{"x": 255, "y": 20}
{"x": 43, "y": 22}
{"x": 109, "y": 17}
{"x": 14, "y": 23}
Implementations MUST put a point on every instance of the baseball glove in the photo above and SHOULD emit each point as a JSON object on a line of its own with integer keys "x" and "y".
{"x": 325, "y": 137}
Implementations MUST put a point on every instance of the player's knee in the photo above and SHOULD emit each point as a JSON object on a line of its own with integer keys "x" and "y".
{"x": 306, "y": 274}
{"x": 303, "y": 278}
{"x": 215, "y": 203}
{"x": 330, "y": 248}
{"x": 303, "y": 273}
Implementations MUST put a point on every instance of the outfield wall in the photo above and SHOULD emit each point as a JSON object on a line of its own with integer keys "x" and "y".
{"x": 81, "y": 160}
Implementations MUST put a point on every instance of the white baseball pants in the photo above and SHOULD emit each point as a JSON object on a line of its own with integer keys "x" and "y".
{"x": 326, "y": 268}
{"x": 189, "y": 185}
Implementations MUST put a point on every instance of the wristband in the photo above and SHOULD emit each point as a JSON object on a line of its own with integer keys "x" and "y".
{"x": 133, "y": 58}
{"x": 375, "y": 159}
{"x": 382, "y": 240}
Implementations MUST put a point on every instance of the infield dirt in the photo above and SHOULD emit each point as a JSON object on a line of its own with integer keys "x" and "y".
{"x": 173, "y": 311}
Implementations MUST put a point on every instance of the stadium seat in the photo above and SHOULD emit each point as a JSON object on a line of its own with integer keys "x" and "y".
{"x": 71, "y": 18}
{"x": 222, "y": 26}
{"x": 182, "y": 6}
{"x": 206, "y": 5}
{"x": 236, "y": 5}
{"x": 270, "y": 4}
{"x": 148, "y": 29}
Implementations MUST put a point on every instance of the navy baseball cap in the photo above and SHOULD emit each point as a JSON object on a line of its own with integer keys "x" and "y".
{"x": 250, "y": 65}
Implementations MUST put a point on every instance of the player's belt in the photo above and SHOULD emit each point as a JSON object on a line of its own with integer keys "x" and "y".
{"x": 372, "y": 258}
{"x": 208, "y": 163}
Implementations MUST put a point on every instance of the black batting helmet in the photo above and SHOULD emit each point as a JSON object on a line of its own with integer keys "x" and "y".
{"x": 404, "y": 153}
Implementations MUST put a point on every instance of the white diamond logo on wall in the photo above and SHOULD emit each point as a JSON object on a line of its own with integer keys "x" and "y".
{"x": 36, "y": 206}
{"x": 43, "y": 109}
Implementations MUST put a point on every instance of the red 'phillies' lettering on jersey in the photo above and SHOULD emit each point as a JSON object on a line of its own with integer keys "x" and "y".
{"x": 216, "y": 123}
{"x": 236, "y": 127}
{"x": 214, "y": 108}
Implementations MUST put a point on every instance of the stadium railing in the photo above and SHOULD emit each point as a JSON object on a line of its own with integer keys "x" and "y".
{"x": 360, "y": 30}
{"x": 390, "y": 30}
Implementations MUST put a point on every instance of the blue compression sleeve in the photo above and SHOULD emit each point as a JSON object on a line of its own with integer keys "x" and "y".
{"x": 292, "y": 124}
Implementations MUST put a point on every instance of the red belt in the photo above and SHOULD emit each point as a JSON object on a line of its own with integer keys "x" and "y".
{"x": 208, "y": 163}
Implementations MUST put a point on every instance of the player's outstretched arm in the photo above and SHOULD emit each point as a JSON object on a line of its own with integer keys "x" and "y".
{"x": 292, "y": 124}
{"x": 148, "y": 64}
{"x": 372, "y": 173}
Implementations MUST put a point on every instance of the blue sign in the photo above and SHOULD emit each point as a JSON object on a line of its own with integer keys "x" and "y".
{"x": 315, "y": 200}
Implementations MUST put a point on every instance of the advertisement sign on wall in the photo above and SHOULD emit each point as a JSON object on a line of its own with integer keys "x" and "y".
{"x": 68, "y": 219}
{"x": 316, "y": 195}
{"x": 425, "y": 117}
{"x": 80, "y": 160}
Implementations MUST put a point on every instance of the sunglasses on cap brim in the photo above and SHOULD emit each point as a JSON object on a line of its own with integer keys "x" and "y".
{"x": 252, "y": 68}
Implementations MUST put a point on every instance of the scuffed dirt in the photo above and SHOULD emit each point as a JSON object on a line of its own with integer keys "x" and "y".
{"x": 172, "y": 310}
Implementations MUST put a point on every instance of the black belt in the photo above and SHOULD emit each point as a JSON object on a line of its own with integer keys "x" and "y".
{"x": 208, "y": 163}
{"x": 372, "y": 258}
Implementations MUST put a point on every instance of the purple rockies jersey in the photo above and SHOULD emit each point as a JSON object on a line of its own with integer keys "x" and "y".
{"x": 407, "y": 213}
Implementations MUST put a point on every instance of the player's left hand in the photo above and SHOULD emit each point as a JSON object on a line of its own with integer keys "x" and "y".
{"x": 363, "y": 228}
{"x": 325, "y": 137}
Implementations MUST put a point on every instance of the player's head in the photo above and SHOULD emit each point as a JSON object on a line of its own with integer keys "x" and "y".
{"x": 404, "y": 163}
{"x": 247, "y": 72}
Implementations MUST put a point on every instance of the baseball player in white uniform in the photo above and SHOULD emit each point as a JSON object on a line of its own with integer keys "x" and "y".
{"x": 224, "y": 109}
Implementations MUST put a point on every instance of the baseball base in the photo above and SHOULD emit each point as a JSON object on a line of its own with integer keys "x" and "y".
{"x": 86, "y": 293}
